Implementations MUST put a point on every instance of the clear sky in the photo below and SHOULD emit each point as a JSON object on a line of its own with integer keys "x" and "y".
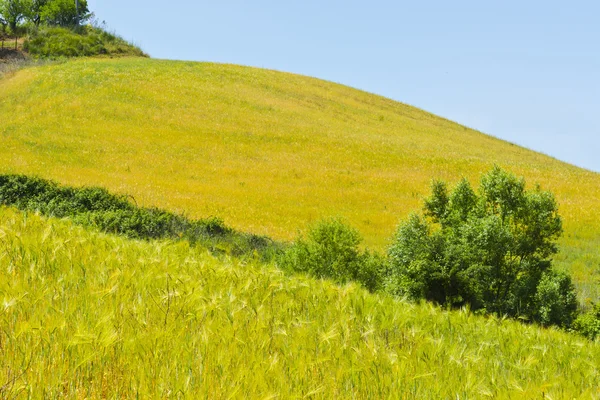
{"x": 524, "y": 71}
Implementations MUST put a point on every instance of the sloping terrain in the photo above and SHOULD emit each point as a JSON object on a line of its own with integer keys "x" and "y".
{"x": 88, "y": 315}
{"x": 267, "y": 151}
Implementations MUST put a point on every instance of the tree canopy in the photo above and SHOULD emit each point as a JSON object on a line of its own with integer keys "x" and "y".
{"x": 13, "y": 13}
{"x": 489, "y": 249}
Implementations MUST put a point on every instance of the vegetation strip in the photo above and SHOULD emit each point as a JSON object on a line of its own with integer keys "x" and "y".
{"x": 96, "y": 207}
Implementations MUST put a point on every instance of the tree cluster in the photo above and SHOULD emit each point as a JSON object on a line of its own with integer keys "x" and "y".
{"x": 489, "y": 250}
{"x": 66, "y": 13}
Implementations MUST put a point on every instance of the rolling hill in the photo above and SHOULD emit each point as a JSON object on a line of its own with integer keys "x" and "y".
{"x": 267, "y": 151}
{"x": 89, "y": 315}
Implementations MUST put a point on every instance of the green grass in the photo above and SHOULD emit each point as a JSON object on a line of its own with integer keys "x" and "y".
{"x": 87, "y": 315}
{"x": 269, "y": 152}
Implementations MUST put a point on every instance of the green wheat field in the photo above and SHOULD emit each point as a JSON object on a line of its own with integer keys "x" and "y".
{"x": 89, "y": 315}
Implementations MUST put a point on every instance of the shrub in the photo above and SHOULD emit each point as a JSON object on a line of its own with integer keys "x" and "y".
{"x": 490, "y": 250}
{"x": 555, "y": 299}
{"x": 588, "y": 324}
{"x": 215, "y": 226}
{"x": 373, "y": 267}
{"x": 331, "y": 250}
{"x": 56, "y": 42}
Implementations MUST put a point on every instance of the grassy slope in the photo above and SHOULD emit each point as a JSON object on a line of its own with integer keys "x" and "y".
{"x": 265, "y": 150}
{"x": 86, "y": 315}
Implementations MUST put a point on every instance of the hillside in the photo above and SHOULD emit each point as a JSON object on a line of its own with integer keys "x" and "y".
{"x": 267, "y": 151}
{"x": 88, "y": 315}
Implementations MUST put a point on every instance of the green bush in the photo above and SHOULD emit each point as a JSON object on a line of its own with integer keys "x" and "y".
{"x": 490, "y": 250}
{"x": 555, "y": 299}
{"x": 57, "y": 42}
{"x": 331, "y": 250}
{"x": 588, "y": 324}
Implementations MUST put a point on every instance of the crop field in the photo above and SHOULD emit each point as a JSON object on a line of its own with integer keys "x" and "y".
{"x": 89, "y": 315}
{"x": 268, "y": 152}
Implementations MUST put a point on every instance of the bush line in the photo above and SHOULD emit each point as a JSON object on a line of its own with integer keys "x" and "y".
{"x": 96, "y": 207}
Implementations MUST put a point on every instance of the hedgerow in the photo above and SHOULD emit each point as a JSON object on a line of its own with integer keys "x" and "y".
{"x": 111, "y": 213}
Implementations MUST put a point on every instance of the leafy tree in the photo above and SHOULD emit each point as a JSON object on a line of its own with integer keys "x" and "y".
{"x": 64, "y": 12}
{"x": 13, "y": 12}
{"x": 491, "y": 250}
{"x": 34, "y": 11}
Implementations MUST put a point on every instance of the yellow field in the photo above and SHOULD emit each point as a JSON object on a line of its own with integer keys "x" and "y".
{"x": 85, "y": 315}
{"x": 267, "y": 151}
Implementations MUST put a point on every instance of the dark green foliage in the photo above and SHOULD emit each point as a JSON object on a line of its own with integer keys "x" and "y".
{"x": 490, "y": 250}
{"x": 54, "y": 30}
{"x": 331, "y": 250}
{"x": 372, "y": 269}
{"x": 588, "y": 324}
{"x": 216, "y": 226}
{"x": 56, "y": 42}
{"x": 111, "y": 213}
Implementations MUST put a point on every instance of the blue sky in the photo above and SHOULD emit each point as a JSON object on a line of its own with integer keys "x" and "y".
{"x": 523, "y": 71}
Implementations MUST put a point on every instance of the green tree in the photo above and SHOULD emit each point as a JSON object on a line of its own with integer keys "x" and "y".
{"x": 34, "y": 11}
{"x": 491, "y": 250}
{"x": 13, "y": 12}
{"x": 64, "y": 12}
